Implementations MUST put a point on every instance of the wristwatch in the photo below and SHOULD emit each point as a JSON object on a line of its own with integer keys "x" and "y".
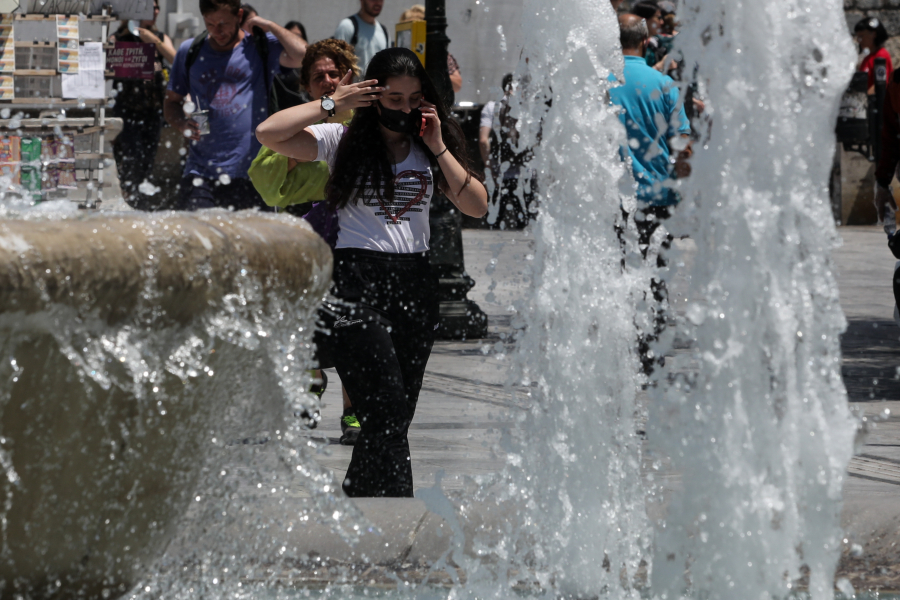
{"x": 328, "y": 105}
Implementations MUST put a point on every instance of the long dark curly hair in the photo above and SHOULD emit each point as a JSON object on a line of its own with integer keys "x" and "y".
{"x": 363, "y": 154}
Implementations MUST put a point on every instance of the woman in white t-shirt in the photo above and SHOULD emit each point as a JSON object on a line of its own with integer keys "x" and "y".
{"x": 385, "y": 167}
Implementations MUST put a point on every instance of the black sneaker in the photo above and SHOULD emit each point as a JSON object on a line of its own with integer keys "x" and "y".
{"x": 350, "y": 429}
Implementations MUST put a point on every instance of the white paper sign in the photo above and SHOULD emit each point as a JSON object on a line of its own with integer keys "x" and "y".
{"x": 89, "y": 82}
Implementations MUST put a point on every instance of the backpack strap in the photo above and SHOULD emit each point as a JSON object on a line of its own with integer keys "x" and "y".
{"x": 355, "y": 37}
{"x": 261, "y": 42}
{"x": 194, "y": 52}
{"x": 355, "y": 20}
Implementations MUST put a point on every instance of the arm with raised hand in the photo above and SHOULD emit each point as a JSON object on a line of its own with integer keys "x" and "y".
{"x": 294, "y": 45}
{"x": 466, "y": 193}
{"x": 162, "y": 42}
{"x": 287, "y": 131}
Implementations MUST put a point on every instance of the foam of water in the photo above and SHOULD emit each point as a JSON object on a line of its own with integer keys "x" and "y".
{"x": 759, "y": 427}
{"x": 573, "y": 474}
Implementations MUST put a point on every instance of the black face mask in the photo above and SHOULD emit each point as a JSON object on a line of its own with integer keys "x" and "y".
{"x": 401, "y": 122}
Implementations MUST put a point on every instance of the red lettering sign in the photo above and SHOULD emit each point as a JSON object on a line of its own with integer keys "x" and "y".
{"x": 132, "y": 60}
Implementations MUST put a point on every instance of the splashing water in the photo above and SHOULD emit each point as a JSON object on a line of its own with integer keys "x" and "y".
{"x": 756, "y": 426}
{"x": 574, "y": 464}
{"x": 761, "y": 434}
{"x": 150, "y": 390}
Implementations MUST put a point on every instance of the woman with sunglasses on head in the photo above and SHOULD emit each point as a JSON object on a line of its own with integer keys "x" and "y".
{"x": 400, "y": 147}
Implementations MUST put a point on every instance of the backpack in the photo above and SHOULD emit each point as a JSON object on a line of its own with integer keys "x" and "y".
{"x": 262, "y": 48}
{"x": 355, "y": 20}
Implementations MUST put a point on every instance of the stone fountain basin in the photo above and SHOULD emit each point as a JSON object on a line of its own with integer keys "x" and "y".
{"x": 130, "y": 350}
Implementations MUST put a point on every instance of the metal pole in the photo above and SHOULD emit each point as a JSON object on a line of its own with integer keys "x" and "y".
{"x": 880, "y": 90}
{"x": 461, "y": 318}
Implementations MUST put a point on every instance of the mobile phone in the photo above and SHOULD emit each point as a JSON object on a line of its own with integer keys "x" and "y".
{"x": 422, "y": 130}
{"x": 133, "y": 26}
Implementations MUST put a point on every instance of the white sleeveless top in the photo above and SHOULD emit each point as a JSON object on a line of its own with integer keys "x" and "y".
{"x": 400, "y": 225}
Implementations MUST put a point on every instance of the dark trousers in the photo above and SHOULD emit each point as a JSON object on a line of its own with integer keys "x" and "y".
{"x": 379, "y": 340}
{"x": 135, "y": 154}
{"x": 647, "y": 220}
{"x": 239, "y": 194}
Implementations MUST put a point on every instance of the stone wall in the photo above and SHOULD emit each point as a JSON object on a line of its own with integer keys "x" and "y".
{"x": 888, "y": 11}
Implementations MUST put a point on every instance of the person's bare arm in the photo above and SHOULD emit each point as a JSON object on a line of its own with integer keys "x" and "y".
{"x": 464, "y": 191}
{"x": 484, "y": 144}
{"x": 294, "y": 45}
{"x": 163, "y": 44}
{"x": 456, "y": 81}
{"x": 173, "y": 111}
{"x": 287, "y": 133}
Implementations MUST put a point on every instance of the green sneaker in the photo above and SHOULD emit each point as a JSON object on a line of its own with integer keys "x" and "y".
{"x": 350, "y": 429}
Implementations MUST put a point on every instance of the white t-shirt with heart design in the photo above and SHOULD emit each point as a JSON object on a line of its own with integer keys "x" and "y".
{"x": 400, "y": 225}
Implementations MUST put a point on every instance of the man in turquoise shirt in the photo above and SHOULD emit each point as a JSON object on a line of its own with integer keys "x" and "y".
{"x": 653, "y": 116}
{"x": 654, "y": 120}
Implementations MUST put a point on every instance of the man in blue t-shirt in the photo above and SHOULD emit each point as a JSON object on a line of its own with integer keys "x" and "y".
{"x": 654, "y": 118}
{"x": 227, "y": 79}
{"x": 657, "y": 128}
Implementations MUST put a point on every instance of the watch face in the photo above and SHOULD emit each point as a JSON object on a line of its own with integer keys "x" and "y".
{"x": 327, "y": 103}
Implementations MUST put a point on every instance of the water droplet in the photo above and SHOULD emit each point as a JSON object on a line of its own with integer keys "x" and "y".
{"x": 147, "y": 188}
{"x": 224, "y": 179}
{"x": 198, "y": 181}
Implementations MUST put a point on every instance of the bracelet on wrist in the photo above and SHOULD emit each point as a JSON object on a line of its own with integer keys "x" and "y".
{"x": 438, "y": 155}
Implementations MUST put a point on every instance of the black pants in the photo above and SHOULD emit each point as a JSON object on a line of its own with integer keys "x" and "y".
{"x": 647, "y": 220}
{"x": 379, "y": 340}
{"x": 135, "y": 153}
{"x": 238, "y": 194}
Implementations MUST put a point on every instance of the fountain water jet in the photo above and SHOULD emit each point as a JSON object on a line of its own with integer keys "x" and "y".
{"x": 761, "y": 434}
{"x": 574, "y": 459}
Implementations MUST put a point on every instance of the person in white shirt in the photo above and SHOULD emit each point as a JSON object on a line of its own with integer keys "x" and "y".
{"x": 364, "y": 32}
{"x": 399, "y": 148}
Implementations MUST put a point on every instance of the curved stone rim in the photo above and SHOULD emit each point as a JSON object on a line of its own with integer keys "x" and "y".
{"x": 109, "y": 263}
